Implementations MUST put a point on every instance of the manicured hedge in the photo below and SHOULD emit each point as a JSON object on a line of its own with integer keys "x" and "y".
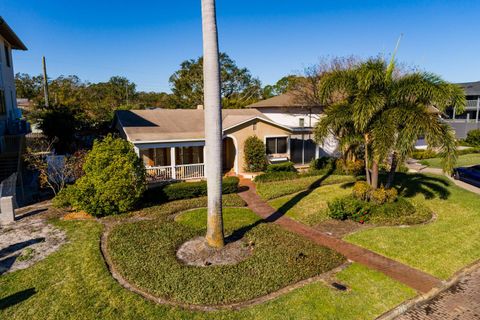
{"x": 276, "y": 176}
{"x": 188, "y": 190}
{"x": 281, "y": 167}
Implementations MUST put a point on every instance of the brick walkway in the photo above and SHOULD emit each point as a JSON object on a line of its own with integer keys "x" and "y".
{"x": 414, "y": 278}
{"x": 461, "y": 302}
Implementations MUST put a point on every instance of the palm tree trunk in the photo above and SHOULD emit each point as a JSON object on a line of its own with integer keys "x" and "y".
{"x": 393, "y": 168}
{"x": 213, "y": 124}
{"x": 367, "y": 169}
{"x": 374, "y": 177}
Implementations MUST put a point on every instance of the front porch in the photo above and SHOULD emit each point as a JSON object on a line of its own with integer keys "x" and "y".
{"x": 173, "y": 161}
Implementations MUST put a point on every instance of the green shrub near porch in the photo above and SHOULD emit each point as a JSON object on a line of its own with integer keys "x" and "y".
{"x": 187, "y": 190}
{"x": 281, "y": 167}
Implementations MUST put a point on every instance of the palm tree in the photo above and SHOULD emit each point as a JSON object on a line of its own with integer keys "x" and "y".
{"x": 213, "y": 124}
{"x": 389, "y": 111}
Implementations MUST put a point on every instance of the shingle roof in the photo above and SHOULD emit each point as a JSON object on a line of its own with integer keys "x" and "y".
{"x": 7, "y": 33}
{"x": 285, "y": 100}
{"x": 177, "y": 124}
{"x": 471, "y": 88}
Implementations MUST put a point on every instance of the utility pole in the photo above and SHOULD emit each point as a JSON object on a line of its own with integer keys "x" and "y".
{"x": 45, "y": 81}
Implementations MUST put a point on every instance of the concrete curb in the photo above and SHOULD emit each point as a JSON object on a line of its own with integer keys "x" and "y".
{"x": 424, "y": 298}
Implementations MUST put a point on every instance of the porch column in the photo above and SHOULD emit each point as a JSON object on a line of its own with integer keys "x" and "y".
{"x": 205, "y": 160}
{"x": 478, "y": 110}
{"x": 172, "y": 163}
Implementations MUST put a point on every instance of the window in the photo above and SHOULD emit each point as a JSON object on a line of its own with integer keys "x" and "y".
{"x": 276, "y": 145}
{"x": 3, "y": 103}
{"x": 188, "y": 155}
{"x": 7, "y": 55}
{"x": 301, "y": 122}
{"x": 158, "y": 157}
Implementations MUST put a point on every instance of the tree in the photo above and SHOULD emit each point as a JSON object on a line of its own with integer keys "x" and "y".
{"x": 283, "y": 85}
{"x": 213, "y": 124}
{"x": 238, "y": 87}
{"x": 28, "y": 87}
{"x": 113, "y": 183}
{"x": 389, "y": 110}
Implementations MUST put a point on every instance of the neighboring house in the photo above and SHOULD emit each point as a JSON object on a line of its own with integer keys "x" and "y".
{"x": 171, "y": 141}
{"x": 470, "y": 119}
{"x": 301, "y": 119}
{"x": 12, "y": 127}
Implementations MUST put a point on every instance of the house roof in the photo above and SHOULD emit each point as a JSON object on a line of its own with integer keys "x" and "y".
{"x": 471, "y": 88}
{"x": 159, "y": 125}
{"x": 7, "y": 33}
{"x": 286, "y": 100}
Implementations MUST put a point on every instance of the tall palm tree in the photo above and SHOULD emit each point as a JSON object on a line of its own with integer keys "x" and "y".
{"x": 390, "y": 111}
{"x": 213, "y": 124}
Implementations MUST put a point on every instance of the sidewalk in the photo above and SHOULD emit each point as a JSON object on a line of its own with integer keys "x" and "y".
{"x": 462, "y": 301}
{"x": 414, "y": 278}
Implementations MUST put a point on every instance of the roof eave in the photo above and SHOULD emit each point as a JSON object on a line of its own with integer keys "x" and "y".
{"x": 11, "y": 37}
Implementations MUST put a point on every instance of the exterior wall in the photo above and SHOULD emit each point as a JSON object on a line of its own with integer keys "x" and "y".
{"x": 7, "y": 84}
{"x": 254, "y": 128}
{"x": 291, "y": 116}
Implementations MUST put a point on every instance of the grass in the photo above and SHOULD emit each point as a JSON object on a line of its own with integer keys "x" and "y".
{"x": 463, "y": 161}
{"x": 144, "y": 252}
{"x": 440, "y": 248}
{"x": 272, "y": 190}
{"x": 74, "y": 283}
{"x": 313, "y": 207}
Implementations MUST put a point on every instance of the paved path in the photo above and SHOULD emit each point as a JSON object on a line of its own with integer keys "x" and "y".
{"x": 460, "y": 302}
{"x": 414, "y": 278}
{"x": 414, "y": 165}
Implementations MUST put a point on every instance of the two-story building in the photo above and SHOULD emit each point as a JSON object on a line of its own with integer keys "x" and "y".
{"x": 12, "y": 127}
{"x": 470, "y": 119}
{"x": 287, "y": 110}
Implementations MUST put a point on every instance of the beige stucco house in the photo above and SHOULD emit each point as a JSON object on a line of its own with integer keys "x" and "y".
{"x": 171, "y": 142}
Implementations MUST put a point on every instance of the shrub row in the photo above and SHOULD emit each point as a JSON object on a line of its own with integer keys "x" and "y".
{"x": 429, "y": 154}
{"x": 400, "y": 212}
{"x": 281, "y": 167}
{"x": 188, "y": 190}
{"x": 337, "y": 166}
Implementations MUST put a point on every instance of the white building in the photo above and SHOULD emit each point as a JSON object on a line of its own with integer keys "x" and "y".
{"x": 301, "y": 119}
{"x": 12, "y": 128}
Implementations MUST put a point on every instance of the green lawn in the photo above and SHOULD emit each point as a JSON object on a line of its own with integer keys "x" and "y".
{"x": 440, "y": 248}
{"x": 310, "y": 207}
{"x": 74, "y": 283}
{"x": 144, "y": 253}
{"x": 463, "y": 161}
{"x": 276, "y": 189}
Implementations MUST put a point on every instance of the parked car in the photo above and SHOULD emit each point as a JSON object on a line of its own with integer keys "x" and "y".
{"x": 468, "y": 174}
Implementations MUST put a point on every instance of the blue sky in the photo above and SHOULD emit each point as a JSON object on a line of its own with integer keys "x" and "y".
{"x": 146, "y": 40}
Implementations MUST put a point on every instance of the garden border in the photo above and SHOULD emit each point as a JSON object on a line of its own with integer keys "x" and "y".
{"x": 108, "y": 227}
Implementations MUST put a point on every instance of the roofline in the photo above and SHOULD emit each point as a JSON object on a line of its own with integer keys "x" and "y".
{"x": 262, "y": 119}
{"x": 166, "y": 141}
{"x": 11, "y": 36}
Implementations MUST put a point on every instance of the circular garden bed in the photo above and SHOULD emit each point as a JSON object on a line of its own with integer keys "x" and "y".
{"x": 144, "y": 253}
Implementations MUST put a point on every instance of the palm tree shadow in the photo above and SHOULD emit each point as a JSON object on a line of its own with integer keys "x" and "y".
{"x": 410, "y": 185}
{"x": 240, "y": 233}
{"x": 16, "y": 298}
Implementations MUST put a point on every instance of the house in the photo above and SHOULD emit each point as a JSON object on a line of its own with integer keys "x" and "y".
{"x": 12, "y": 127}
{"x": 470, "y": 119}
{"x": 301, "y": 118}
{"x": 171, "y": 142}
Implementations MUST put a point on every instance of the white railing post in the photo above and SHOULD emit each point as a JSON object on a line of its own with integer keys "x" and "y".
{"x": 478, "y": 109}
{"x": 172, "y": 163}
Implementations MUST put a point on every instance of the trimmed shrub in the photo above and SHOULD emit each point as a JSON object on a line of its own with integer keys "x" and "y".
{"x": 255, "y": 155}
{"x": 276, "y": 176}
{"x": 361, "y": 190}
{"x": 424, "y": 154}
{"x": 113, "y": 183}
{"x": 322, "y": 163}
{"x": 473, "y": 138}
{"x": 391, "y": 195}
{"x": 348, "y": 208}
{"x": 353, "y": 168}
{"x": 400, "y": 212}
{"x": 281, "y": 167}
{"x": 188, "y": 190}
{"x": 382, "y": 195}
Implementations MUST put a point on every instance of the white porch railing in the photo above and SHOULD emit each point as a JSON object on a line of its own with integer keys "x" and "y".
{"x": 180, "y": 172}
